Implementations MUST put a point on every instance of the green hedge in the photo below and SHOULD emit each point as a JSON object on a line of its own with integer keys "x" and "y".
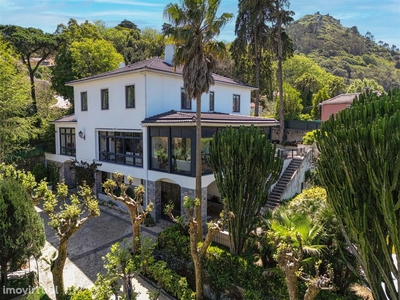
{"x": 226, "y": 271}
{"x": 170, "y": 281}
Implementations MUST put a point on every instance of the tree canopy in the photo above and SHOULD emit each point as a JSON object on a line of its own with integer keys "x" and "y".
{"x": 15, "y": 126}
{"x": 292, "y": 103}
{"x": 31, "y": 43}
{"x": 91, "y": 57}
{"x": 252, "y": 39}
{"x": 22, "y": 229}
{"x": 93, "y": 48}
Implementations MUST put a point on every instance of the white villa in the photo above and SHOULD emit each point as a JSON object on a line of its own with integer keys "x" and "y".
{"x": 138, "y": 121}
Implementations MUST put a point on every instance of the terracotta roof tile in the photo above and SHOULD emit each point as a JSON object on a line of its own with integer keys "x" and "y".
{"x": 341, "y": 99}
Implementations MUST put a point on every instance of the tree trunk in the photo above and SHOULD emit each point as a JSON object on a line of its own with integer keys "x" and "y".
{"x": 292, "y": 283}
{"x": 57, "y": 269}
{"x": 258, "y": 62}
{"x": 312, "y": 292}
{"x": 135, "y": 229}
{"x": 198, "y": 169}
{"x": 197, "y": 260}
{"x": 3, "y": 272}
{"x": 257, "y": 102}
{"x": 198, "y": 270}
{"x": 129, "y": 288}
{"x": 280, "y": 77}
{"x": 33, "y": 92}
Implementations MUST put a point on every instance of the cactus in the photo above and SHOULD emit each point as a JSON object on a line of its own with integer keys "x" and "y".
{"x": 359, "y": 167}
{"x": 245, "y": 166}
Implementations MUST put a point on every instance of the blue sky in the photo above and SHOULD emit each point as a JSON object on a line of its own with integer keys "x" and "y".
{"x": 381, "y": 18}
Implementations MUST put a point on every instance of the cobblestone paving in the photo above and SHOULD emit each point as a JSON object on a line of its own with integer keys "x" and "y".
{"x": 87, "y": 246}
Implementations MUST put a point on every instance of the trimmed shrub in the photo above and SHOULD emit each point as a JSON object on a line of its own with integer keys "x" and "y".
{"x": 309, "y": 137}
{"x": 170, "y": 281}
{"x": 40, "y": 172}
{"x": 78, "y": 293}
{"x": 174, "y": 241}
{"x": 247, "y": 276}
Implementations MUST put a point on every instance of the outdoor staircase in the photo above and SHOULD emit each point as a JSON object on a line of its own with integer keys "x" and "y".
{"x": 274, "y": 198}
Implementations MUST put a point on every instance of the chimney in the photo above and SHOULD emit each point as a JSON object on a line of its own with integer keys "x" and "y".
{"x": 169, "y": 53}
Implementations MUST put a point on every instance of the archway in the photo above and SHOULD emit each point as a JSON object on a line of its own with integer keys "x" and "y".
{"x": 170, "y": 193}
{"x": 214, "y": 203}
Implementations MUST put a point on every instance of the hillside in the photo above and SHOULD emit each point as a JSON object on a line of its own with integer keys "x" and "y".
{"x": 344, "y": 51}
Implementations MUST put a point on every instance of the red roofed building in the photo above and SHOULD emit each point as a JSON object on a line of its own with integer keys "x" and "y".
{"x": 336, "y": 104}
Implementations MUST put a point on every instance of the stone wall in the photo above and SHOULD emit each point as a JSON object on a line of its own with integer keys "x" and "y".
{"x": 153, "y": 191}
{"x": 192, "y": 193}
{"x": 292, "y": 135}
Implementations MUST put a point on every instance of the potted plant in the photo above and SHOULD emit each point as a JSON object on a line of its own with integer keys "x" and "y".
{"x": 162, "y": 158}
{"x": 182, "y": 159}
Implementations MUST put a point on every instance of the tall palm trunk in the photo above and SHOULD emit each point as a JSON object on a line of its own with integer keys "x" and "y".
{"x": 198, "y": 169}
{"x": 197, "y": 259}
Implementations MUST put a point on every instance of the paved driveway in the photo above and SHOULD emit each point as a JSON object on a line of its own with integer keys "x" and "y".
{"x": 87, "y": 247}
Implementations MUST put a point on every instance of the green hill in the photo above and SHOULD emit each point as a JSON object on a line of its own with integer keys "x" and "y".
{"x": 344, "y": 51}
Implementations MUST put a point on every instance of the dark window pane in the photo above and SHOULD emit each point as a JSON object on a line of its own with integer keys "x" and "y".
{"x": 185, "y": 102}
{"x": 104, "y": 99}
{"x": 211, "y": 101}
{"x": 121, "y": 147}
{"x": 236, "y": 103}
{"x": 84, "y": 101}
{"x": 67, "y": 141}
{"x": 130, "y": 96}
{"x": 181, "y": 155}
{"x": 159, "y": 153}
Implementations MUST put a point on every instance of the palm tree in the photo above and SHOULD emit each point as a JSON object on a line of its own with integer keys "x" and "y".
{"x": 296, "y": 238}
{"x": 193, "y": 30}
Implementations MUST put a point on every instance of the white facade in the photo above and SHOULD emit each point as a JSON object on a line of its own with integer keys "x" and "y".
{"x": 157, "y": 91}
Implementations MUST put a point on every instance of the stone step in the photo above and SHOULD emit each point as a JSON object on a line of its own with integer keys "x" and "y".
{"x": 274, "y": 198}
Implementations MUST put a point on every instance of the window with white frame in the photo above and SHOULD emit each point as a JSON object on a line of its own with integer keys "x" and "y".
{"x": 84, "y": 101}
{"x": 104, "y": 99}
{"x": 185, "y": 101}
{"x": 130, "y": 96}
{"x": 236, "y": 103}
{"x": 67, "y": 141}
{"x": 211, "y": 101}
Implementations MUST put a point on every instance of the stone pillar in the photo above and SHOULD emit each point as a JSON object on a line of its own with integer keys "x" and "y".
{"x": 69, "y": 174}
{"x": 153, "y": 191}
{"x": 97, "y": 183}
{"x": 192, "y": 193}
